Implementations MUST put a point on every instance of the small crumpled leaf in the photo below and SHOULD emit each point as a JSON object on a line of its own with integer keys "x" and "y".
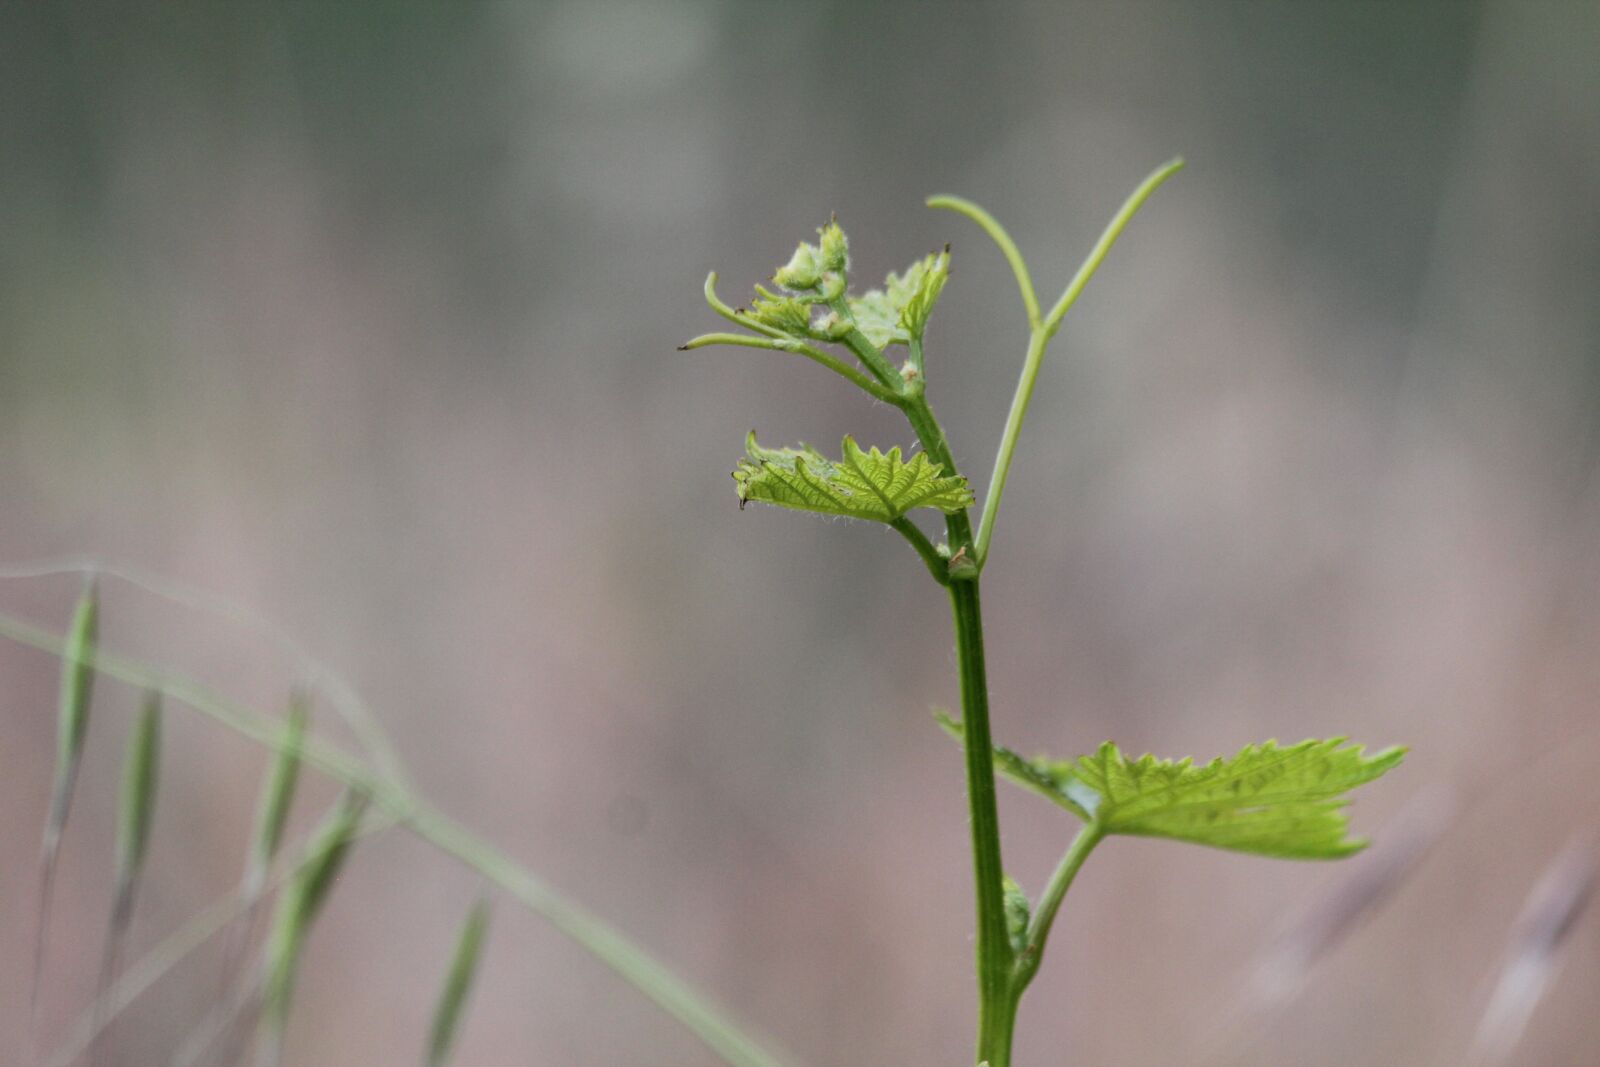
{"x": 1018, "y": 908}
{"x": 863, "y": 485}
{"x": 812, "y": 265}
{"x": 803, "y": 271}
{"x": 782, "y": 313}
{"x": 833, "y": 247}
{"x": 1267, "y": 800}
{"x": 919, "y": 308}
{"x": 881, "y": 314}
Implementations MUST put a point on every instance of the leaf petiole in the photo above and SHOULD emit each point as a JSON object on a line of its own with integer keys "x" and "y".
{"x": 781, "y": 343}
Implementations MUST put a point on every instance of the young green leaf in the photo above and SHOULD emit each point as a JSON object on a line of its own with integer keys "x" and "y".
{"x": 1018, "y": 908}
{"x": 458, "y": 983}
{"x": 898, "y": 312}
{"x": 803, "y": 271}
{"x": 1269, "y": 800}
{"x": 72, "y": 727}
{"x": 784, "y": 314}
{"x": 864, "y": 485}
{"x": 919, "y": 308}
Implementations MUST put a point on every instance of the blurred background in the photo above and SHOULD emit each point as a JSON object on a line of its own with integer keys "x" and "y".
{"x": 364, "y": 317}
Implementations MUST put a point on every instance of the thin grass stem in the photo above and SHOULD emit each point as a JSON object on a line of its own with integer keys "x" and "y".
{"x": 314, "y": 673}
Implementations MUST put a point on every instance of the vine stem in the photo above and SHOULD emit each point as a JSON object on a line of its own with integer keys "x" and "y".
{"x": 992, "y": 943}
{"x": 995, "y": 1008}
{"x": 918, "y": 540}
{"x": 1042, "y": 330}
{"x": 1044, "y": 913}
{"x": 690, "y": 1007}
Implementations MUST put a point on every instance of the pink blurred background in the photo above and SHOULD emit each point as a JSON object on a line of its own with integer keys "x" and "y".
{"x": 364, "y": 317}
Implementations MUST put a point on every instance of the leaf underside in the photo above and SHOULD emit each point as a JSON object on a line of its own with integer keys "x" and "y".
{"x": 863, "y": 485}
{"x": 1268, "y": 800}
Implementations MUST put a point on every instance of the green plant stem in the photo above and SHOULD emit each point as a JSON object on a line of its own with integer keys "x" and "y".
{"x": 1008, "y": 247}
{"x": 993, "y": 944}
{"x": 863, "y": 349}
{"x": 919, "y": 541}
{"x": 630, "y": 962}
{"x": 839, "y": 367}
{"x": 918, "y": 412}
{"x": 1044, "y": 912}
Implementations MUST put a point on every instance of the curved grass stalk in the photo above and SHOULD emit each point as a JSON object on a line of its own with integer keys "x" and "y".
{"x": 314, "y": 673}
{"x": 689, "y": 1006}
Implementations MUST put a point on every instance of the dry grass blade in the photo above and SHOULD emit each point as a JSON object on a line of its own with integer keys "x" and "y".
{"x": 458, "y": 983}
{"x": 298, "y": 907}
{"x": 72, "y": 726}
{"x": 1533, "y": 959}
{"x": 141, "y": 770}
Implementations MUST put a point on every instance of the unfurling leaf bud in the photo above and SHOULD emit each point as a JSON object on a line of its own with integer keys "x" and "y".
{"x": 835, "y": 247}
{"x": 1017, "y": 909}
{"x": 832, "y": 326}
{"x": 784, "y": 313}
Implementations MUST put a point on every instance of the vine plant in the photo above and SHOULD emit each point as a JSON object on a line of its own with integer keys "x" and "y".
{"x": 1284, "y": 801}
{"x": 1270, "y": 800}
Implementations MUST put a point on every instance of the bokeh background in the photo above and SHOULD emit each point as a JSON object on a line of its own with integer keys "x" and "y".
{"x": 363, "y": 317}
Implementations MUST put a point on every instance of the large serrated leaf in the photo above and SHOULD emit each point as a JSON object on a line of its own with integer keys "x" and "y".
{"x": 1269, "y": 800}
{"x": 863, "y": 485}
